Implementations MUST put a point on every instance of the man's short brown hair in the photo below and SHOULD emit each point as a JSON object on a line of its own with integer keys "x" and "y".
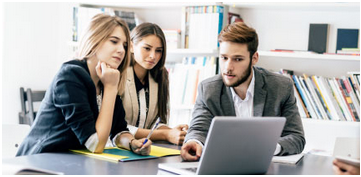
{"x": 239, "y": 32}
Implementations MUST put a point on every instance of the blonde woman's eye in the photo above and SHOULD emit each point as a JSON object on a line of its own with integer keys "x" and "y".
{"x": 114, "y": 42}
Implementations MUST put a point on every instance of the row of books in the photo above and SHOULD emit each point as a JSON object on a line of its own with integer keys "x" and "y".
{"x": 184, "y": 78}
{"x": 334, "y": 98}
{"x": 83, "y": 15}
{"x": 202, "y": 26}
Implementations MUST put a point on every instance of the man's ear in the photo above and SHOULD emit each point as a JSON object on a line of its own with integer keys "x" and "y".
{"x": 255, "y": 58}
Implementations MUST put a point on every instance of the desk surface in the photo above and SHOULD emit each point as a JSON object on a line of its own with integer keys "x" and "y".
{"x": 75, "y": 164}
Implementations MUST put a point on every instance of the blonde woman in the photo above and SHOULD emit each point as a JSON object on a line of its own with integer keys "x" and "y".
{"x": 147, "y": 87}
{"x": 78, "y": 108}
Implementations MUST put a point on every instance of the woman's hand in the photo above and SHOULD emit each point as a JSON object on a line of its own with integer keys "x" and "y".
{"x": 107, "y": 75}
{"x": 138, "y": 147}
{"x": 177, "y": 134}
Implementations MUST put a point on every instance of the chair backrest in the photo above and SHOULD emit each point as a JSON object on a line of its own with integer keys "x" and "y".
{"x": 23, "y": 99}
{"x": 28, "y": 114}
{"x": 12, "y": 136}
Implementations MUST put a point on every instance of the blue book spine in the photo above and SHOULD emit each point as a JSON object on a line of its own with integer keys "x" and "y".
{"x": 220, "y": 10}
{"x": 300, "y": 91}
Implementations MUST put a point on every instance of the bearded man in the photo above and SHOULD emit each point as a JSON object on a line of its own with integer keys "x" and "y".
{"x": 244, "y": 91}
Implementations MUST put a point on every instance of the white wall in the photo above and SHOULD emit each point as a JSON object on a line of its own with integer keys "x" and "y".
{"x": 34, "y": 47}
{"x": 288, "y": 28}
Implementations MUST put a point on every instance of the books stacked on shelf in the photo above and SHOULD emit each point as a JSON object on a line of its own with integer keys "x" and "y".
{"x": 172, "y": 38}
{"x": 184, "y": 78}
{"x": 349, "y": 51}
{"x": 128, "y": 17}
{"x": 183, "y": 81}
{"x": 82, "y": 17}
{"x": 202, "y": 26}
{"x": 319, "y": 97}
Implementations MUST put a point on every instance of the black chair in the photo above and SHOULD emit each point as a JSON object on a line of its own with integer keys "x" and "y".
{"x": 27, "y": 114}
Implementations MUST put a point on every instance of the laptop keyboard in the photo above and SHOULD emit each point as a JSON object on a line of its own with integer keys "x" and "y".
{"x": 193, "y": 169}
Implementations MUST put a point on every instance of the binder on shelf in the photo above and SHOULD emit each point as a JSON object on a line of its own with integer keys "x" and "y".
{"x": 347, "y": 38}
{"x": 318, "y": 37}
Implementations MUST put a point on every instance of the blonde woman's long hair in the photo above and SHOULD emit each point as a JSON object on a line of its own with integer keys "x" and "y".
{"x": 98, "y": 31}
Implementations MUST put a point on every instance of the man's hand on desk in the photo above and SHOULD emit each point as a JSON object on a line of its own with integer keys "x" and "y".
{"x": 191, "y": 151}
{"x": 176, "y": 135}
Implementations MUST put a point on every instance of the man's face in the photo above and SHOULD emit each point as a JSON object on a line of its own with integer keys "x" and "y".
{"x": 235, "y": 62}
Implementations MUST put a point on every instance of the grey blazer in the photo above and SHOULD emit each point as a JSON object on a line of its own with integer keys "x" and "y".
{"x": 273, "y": 96}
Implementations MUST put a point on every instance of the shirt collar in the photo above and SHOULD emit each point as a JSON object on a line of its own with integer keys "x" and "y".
{"x": 250, "y": 90}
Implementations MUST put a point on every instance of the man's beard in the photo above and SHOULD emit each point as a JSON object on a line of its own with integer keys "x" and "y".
{"x": 244, "y": 77}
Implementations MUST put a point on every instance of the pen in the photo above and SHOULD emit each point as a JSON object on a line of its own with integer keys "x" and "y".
{"x": 151, "y": 131}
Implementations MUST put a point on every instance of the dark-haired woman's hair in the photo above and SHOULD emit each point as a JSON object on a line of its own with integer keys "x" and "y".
{"x": 159, "y": 72}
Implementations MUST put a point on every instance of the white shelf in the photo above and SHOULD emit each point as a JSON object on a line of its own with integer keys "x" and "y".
{"x": 176, "y": 55}
{"x": 192, "y": 52}
{"x": 311, "y": 56}
{"x": 305, "y": 6}
{"x": 148, "y": 5}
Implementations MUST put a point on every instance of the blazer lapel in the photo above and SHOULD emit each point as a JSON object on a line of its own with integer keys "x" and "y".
{"x": 227, "y": 102}
{"x": 133, "y": 95}
{"x": 259, "y": 94}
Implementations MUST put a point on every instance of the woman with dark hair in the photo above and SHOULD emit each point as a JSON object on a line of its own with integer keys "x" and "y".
{"x": 78, "y": 108}
{"x": 146, "y": 96}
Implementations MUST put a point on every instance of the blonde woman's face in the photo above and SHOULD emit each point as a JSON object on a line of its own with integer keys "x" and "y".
{"x": 148, "y": 51}
{"x": 112, "y": 51}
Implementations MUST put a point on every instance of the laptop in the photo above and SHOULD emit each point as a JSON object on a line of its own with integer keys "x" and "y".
{"x": 234, "y": 146}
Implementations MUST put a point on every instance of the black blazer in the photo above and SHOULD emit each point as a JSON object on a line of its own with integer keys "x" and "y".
{"x": 67, "y": 115}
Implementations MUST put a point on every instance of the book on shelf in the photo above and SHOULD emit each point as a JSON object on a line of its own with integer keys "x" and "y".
{"x": 202, "y": 26}
{"x": 172, "y": 38}
{"x": 128, "y": 16}
{"x": 349, "y": 51}
{"x": 347, "y": 38}
{"x": 318, "y": 38}
{"x": 233, "y": 17}
{"x": 301, "y": 107}
{"x": 184, "y": 78}
{"x": 314, "y": 93}
{"x": 81, "y": 19}
{"x": 116, "y": 154}
{"x": 319, "y": 97}
{"x": 303, "y": 96}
